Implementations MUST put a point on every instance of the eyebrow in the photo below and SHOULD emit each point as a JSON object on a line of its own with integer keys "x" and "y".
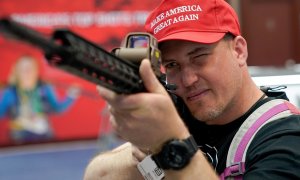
{"x": 194, "y": 51}
{"x": 163, "y": 62}
{"x": 198, "y": 49}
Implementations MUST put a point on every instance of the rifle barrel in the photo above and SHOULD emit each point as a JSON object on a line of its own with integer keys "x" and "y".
{"x": 20, "y": 32}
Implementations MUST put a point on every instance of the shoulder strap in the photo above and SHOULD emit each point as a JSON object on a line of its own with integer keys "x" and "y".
{"x": 268, "y": 112}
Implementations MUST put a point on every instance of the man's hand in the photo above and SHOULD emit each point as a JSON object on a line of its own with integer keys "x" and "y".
{"x": 145, "y": 119}
{"x": 118, "y": 164}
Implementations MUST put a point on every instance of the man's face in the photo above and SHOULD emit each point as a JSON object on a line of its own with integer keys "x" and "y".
{"x": 208, "y": 77}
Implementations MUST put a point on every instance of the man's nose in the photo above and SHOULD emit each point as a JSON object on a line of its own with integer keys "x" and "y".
{"x": 189, "y": 77}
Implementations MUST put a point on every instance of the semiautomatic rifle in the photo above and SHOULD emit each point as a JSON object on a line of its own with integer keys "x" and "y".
{"x": 118, "y": 70}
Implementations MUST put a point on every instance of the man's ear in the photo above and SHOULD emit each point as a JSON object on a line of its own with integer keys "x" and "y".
{"x": 240, "y": 50}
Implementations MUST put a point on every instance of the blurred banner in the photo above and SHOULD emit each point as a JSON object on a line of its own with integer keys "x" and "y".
{"x": 39, "y": 103}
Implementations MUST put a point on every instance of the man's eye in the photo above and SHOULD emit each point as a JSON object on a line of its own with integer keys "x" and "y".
{"x": 200, "y": 55}
{"x": 200, "y": 59}
{"x": 171, "y": 65}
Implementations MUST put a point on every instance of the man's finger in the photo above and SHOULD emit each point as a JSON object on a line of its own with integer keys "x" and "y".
{"x": 106, "y": 94}
{"x": 138, "y": 154}
{"x": 150, "y": 81}
{"x": 113, "y": 122}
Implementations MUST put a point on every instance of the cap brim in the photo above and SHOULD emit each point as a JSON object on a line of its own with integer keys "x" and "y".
{"x": 200, "y": 37}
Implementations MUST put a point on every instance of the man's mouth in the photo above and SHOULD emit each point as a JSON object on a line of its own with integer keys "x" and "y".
{"x": 195, "y": 96}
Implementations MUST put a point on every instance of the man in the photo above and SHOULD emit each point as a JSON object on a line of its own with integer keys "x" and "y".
{"x": 205, "y": 55}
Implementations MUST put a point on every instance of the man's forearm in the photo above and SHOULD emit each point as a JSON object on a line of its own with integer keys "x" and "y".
{"x": 119, "y": 164}
{"x": 114, "y": 165}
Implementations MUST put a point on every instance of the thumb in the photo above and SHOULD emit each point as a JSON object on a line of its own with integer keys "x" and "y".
{"x": 150, "y": 81}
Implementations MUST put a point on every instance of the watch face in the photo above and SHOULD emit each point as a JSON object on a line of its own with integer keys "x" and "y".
{"x": 176, "y": 155}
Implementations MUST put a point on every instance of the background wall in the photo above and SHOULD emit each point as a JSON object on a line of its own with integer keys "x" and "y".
{"x": 102, "y": 22}
{"x": 272, "y": 30}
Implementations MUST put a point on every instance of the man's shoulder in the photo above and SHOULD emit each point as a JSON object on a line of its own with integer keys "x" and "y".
{"x": 281, "y": 122}
{"x": 291, "y": 122}
{"x": 283, "y": 116}
{"x": 276, "y": 134}
{"x": 273, "y": 148}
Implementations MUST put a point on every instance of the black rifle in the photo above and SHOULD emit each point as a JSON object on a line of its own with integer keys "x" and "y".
{"x": 118, "y": 71}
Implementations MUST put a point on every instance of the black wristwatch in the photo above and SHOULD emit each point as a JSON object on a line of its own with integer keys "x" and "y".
{"x": 176, "y": 154}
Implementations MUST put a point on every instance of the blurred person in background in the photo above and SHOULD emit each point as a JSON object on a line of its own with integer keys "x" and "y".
{"x": 27, "y": 101}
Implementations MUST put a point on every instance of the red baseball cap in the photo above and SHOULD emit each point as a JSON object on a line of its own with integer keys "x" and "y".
{"x": 203, "y": 21}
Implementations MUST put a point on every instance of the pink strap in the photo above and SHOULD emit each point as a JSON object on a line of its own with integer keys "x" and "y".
{"x": 292, "y": 108}
{"x": 238, "y": 168}
{"x": 266, "y": 116}
{"x": 235, "y": 170}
